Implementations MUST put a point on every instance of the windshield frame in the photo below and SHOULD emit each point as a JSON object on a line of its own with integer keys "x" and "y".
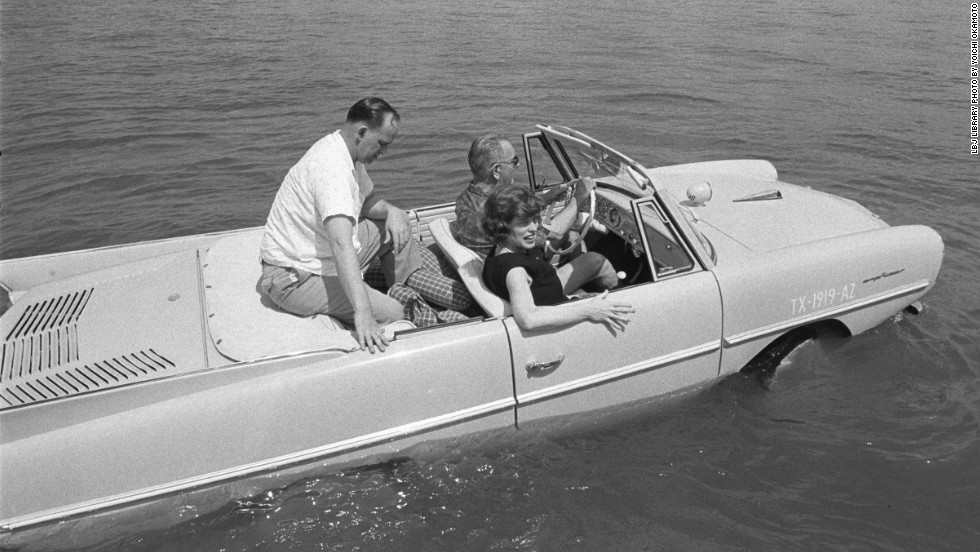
{"x": 617, "y": 171}
{"x": 601, "y": 162}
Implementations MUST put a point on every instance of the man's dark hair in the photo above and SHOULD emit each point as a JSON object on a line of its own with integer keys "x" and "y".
{"x": 371, "y": 111}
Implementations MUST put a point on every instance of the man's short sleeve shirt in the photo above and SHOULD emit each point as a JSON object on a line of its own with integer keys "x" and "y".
{"x": 324, "y": 183}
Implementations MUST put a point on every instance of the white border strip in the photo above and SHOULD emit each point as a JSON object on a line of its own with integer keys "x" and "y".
{"x": 619, "y": 373}
{"x": 799, "y": 321}
{"x": 279, "y": 462}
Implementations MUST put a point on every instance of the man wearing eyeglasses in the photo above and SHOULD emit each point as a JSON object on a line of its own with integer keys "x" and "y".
{"x": 493, "y": 162}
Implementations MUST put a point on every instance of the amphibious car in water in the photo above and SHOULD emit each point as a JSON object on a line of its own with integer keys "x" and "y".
{"x": 141, "y": 370}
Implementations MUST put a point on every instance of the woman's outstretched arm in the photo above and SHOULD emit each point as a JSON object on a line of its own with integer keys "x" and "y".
{"x": 532, "y": 317}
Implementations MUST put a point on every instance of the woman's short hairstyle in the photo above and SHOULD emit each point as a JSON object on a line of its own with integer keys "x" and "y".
{"x": 372, "y": 112}
{"x": 507, "y": 207}
{"x": 484, "y": 154}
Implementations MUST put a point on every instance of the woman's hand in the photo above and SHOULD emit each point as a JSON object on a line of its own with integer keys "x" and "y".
{"x": 610, "y": 313}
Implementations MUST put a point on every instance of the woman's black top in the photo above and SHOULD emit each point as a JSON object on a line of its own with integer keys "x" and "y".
{"x": 546, "y": 288}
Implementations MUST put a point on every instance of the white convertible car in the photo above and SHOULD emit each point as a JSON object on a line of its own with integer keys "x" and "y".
{"x": 141, "y": 370}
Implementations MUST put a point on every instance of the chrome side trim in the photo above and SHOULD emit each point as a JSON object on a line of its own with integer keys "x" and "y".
{"x": 264, "y": 466}
{"x": 843, "y": 309}
{"x": 612, "y": 375}
{"x": 202, "y": 300}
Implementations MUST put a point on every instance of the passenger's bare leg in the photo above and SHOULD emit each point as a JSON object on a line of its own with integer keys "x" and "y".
{"x": 585, "y": 268}
{"x": 607, "y": 279}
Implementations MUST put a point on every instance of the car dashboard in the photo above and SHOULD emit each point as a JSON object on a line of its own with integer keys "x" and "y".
{"x": 614, "y": 211}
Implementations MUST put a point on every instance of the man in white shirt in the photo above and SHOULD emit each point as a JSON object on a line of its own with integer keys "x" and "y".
{"x": 326, "y": 225}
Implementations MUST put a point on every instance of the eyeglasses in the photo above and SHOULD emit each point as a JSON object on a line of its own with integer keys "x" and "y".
{"x": 516, "y": 161}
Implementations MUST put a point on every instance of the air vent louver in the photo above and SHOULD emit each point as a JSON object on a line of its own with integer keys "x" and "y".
{"x": 54, "y": 313}
{"x": 44, "y": 337}
{"x": 41, "y": 358}
{"x": 81, "y": 379}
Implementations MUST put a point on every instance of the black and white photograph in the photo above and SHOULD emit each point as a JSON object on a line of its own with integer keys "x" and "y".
{"x": 507, "y": 275}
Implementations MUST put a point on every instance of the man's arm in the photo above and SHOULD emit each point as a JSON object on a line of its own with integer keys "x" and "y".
{"x": 340, "y": 230}
{"x": 396, "y": 221}
{"x": 563, "y": 221}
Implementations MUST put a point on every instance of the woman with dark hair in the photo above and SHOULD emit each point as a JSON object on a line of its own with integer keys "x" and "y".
{"x": 517, "y": 271}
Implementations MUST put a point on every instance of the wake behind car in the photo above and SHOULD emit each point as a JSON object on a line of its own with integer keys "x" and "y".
{"x": 142, "y": 370}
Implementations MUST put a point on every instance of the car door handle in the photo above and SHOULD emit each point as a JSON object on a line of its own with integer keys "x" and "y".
{"x": 542, "y": 368}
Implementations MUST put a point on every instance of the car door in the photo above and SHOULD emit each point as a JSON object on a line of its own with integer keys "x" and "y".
{"x": 671, "y": 343}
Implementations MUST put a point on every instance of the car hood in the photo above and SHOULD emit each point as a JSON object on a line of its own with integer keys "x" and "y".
{"x": 763, "y": 214}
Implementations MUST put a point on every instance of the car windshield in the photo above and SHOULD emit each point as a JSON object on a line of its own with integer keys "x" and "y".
{"x": 596, "y": 160}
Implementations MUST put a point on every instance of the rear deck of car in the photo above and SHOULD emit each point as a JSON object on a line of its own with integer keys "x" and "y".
{"x": 154, "y": 317}
{"x": 113, "y": 327}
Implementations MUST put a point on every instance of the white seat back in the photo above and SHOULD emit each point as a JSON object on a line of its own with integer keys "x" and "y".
{"x": 470, "y": 268}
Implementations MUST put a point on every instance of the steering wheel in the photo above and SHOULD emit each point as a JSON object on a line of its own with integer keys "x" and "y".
{"x": 549, "y": 250}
